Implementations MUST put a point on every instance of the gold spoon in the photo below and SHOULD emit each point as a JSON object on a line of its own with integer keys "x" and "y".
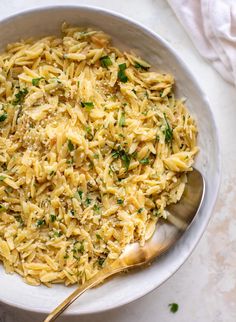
{"x": 167, "y": 232}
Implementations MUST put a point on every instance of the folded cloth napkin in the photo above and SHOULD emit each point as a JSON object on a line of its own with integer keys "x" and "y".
{"x": 211, "y": 24}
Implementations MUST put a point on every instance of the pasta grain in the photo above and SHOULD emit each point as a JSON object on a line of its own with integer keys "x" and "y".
{"x": 93, "y": 146}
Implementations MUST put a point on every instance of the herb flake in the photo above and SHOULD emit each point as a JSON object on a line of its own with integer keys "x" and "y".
{"x": 3, "y": 117}
{"x": 70, "y": 146}
{"x": 144, "y": 161}
{"x": 122, "y": 120}
{"x": 35, "y": 81}
{"x": 105, "y": 61}
{"x": 168, "y": 132}
{"x": 19, "y": 97}
{"x": 40, "y": 222}
{"x": 2, "y": 208}
{"x": 121, "y": 73}
{"x": 88, "y": 105}
{"x": 53, "y": 218}
{"x": 173, "y": 307}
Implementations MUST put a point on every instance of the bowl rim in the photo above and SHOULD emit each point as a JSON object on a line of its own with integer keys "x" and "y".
{"x": 209, "y": 211}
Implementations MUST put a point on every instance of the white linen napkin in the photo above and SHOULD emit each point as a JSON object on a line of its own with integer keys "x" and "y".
{"x": 211, "y": 24}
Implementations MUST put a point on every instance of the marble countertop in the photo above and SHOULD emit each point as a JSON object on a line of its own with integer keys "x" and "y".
{"x": 205, "y": 286}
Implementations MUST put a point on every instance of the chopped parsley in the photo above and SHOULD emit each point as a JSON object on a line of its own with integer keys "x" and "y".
{"x": 105, "y": 61}
{"x": 2, "y": 178}
{"x": 35, "y": 81}
{"x": 173, "y": 307}
{"x": 144, "y": 161}
{"x": 70, "y": 146}
{"x": 72, "y": 212}
{"x": 81, "y": 249}
{"x": 20, "y": 220}
{"x": 140, "y": 66}
{"x": 3, "y": 117}
{"x": 96, "y": 156}
{"x": 40, "y": 222}
{"x": 19, "y": 97}
{"x": 125, "y": 157}
{"x": 140, "y": 210}
{"x": 96, "y": 208}
{"x": 88, "y": 129}
{"x": 98, "y": 236}
{"x": 121, "y": 73}
{"x": 122, "y": 119}
{"x": 53, "y": 218}
{"x": 2, "y": 208}
{"x": 126, "y": 160}
{"x": 78, "y": 249}
{"x": 87, "y": 201}
{"x": 156, "y": 213}
{"x": 88, "y": 105}
{"x": 57, "y": 233}
{"x": 69, "y": 161}
{"x": 120, "y": 201}
{"x": 168, "y": 131}
{"x": 80, "y": 194}
{"x": 101, "y": 260}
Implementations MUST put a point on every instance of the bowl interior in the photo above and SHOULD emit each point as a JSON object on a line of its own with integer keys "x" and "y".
{"x": 126, "y": 35}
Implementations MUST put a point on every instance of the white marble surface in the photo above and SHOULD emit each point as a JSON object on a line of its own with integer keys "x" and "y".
{"x": 205, "y": 286}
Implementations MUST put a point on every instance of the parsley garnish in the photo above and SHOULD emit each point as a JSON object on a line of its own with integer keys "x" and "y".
{"x": 72, "y": 212}
{"x": 122, "y": 119}
{"x": 96, "y": 156}
{"x": 70, "y": 145}
{"x": 121, "y": 73}
{"x": 101, "y": 260}
{"x": 52, "y": 218}
{"x": 2, "y": 208}
{"x": 98, "y": 236}
{"x": 20, "y": 220}
{"x": 105, "y": 61}
{"x": 79, "y": 249}
{"x": 40, "y": 222}
{"x": 35, "y": 81}
{"x": 88, "y": 105}
{"x": 87, "y": 201}
{"x": 69, "y": 161}
{"x": 19, "y": 97}
{"x": 144, "y": 161}
{"x": 168, "y": 131}
{"x": 125, "y": 157}
{"x": 120, "y": 201}
{"x": 80, "y": 194}
{"x": 156, "y": 213}
{"x": 126, "y": 160}
{"x": 2, "y": 178}
{"x": 173, "y": 307}
{"x": 96, "y": 208}
{"x": 88, "y": 129}
{"x": 3, "y": 117}
{"x": 140, "y": 210}
{"x": 139, "y": 66}
{"x": 57, "y": 233}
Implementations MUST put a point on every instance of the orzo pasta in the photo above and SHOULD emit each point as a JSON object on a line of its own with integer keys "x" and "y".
{"x": 93, "y": 147}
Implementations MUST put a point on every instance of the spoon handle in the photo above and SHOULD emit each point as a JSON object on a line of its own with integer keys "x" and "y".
{"x": 116, "y": 267}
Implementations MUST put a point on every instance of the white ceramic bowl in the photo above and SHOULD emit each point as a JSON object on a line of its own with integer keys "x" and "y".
{"x": 129, "y": 35}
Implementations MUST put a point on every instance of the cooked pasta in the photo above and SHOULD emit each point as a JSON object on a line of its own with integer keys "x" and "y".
{"x": 93, "y": 147}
